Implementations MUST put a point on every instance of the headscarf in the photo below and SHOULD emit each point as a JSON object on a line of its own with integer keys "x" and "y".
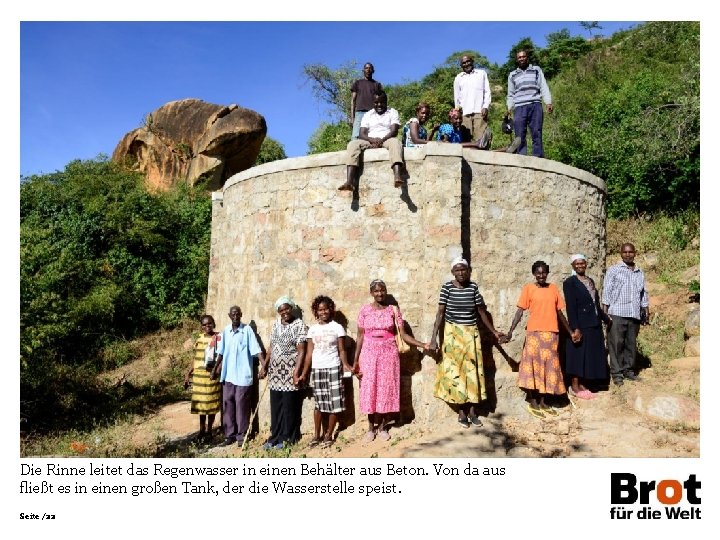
{"x": 458, "y": 260}
{"x": 577, "y": 257}
{"x": 284, "y": 300}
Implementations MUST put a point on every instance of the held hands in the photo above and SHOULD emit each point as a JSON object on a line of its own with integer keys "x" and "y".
{"x": 356, "y": 370}
{"x": 263, "y": 372}
{"x": 576, "y": 336}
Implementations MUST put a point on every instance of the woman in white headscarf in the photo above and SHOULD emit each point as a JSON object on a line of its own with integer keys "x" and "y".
{"x": 284, "y": 368}
{"x": 460, "y": 379}
{"x": 585, "y": 358}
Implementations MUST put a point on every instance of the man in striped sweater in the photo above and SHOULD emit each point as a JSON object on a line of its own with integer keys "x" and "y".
{"x": 526, "y": 91}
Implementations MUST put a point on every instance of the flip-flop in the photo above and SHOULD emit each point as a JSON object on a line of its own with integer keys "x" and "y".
{"x": 314, "y": 443}
{"x": 326, "y": 444}
{"x": 549, "y": 410}
{"x": 537, "y": 413}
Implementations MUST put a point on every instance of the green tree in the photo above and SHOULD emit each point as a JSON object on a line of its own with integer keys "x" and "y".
{"x": 332, "y": 86}
{"x": 561, "y": 52}
{"x": 590, "y": 26}
{"x": 102, "y": 259}
{"x": 270, "y": 150}
{"x": 330, "y": 138}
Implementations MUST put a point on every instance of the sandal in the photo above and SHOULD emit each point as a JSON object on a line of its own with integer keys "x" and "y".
{"x": 369, "y": 437}
{"x": 384, "y": 435}
{"x": 314, "y": 443}
{"x": 537, "y": 413}
{"x": 584, "y": 394}
{"x": 326, "y": 444}
{"x": 549, "y": 411}
{"x": 476, "y": 421}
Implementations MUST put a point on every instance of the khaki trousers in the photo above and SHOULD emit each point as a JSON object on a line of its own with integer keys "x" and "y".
{"x": 357, "y": 146}
{"x": 476, "y": 124}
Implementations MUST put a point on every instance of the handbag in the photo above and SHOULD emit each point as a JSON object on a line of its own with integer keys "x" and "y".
{"x": 401, "y": 345}
{"x": 507, "y": 125}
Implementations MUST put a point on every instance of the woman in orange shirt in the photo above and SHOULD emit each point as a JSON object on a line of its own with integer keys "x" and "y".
{"x": 540, "y": 374}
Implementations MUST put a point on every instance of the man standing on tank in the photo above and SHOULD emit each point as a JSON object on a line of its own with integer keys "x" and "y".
{"x": 527, "y": 90}
{"x": 472, "y": 94}
{"x": 363, "y": 92}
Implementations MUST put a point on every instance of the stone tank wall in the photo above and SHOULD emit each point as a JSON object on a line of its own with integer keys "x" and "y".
{"x": 283, "y": 228}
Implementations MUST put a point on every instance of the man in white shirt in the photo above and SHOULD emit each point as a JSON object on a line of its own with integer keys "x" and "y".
{"x": 378, "y": 129}
{"x": 472, "y": 95}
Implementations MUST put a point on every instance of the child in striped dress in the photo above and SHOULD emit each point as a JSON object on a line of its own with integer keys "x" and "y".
{"x": 206, "y": 393}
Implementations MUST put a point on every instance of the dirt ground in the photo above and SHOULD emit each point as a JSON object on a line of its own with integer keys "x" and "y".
{"x": 607, "y": 426}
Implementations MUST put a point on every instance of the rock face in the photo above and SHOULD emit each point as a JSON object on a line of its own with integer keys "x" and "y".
{"x": 189, "y": 140}
{"x": 692, "y": 331}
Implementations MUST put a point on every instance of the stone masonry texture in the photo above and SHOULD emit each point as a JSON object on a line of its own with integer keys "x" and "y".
{"x": 283, "y": 228}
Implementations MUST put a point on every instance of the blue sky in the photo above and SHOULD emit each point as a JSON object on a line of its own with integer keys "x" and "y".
{"x": 83, "y": 85}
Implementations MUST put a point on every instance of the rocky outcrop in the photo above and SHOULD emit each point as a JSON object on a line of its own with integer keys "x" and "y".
{"x": 190, "y": 140}
{"x": 692, "y": 331}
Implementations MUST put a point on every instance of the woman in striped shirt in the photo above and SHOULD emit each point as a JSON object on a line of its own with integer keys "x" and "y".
{"x": 460, "y": 379}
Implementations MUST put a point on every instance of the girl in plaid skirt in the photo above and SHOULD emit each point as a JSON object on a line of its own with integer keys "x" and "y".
{"x": 326, "y": 348}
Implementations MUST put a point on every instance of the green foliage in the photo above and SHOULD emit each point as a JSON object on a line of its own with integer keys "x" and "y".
{"x": 590, "y": 26}
{"x": 561, "y": 52}
{"x": 330, "y": 138}
{"x": 101, "y": 260}
{"x": 629, "y": 112}
{"x": 332, "y": 86}
{"x": 270, "y": 150}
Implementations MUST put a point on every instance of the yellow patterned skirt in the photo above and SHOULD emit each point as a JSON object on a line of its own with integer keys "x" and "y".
{"x": 460, "y": 377}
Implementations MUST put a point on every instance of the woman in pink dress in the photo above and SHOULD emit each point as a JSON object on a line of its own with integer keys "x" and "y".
{"x": 377, "y": 361}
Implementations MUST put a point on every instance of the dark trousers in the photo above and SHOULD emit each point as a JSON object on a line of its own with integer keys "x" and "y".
{"x": 529, "y": 116}
{"x": 622, "y": 343}
{"x": 236, "y": 410}
{"x": 285, "y": 415}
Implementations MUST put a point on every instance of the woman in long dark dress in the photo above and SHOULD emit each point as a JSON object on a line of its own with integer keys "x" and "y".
{"x": 585, "y": 359}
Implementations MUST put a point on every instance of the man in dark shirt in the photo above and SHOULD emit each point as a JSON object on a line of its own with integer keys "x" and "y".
{"x": 363, "y": 92}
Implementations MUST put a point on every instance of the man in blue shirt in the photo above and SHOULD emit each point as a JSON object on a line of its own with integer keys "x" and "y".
{"x": 625, "y": 300}
{"x": 235, "y": 368}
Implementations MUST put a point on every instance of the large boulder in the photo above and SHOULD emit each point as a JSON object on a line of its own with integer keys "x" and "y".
{"x": 190, "y": 140}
